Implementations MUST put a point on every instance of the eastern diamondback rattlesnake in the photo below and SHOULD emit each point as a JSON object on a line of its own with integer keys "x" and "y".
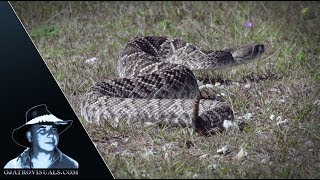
{"x": 157, "y": 84}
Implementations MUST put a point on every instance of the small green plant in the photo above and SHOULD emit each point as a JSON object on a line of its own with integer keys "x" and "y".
{"x": 44, "y": 32}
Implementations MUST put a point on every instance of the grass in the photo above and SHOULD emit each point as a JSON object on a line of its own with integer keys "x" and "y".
{"x": 284, "y": 83}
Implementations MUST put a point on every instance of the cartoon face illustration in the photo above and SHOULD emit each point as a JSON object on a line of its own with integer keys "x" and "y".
{"x": 40, "y": 136}
{"x": 44, "y": 137}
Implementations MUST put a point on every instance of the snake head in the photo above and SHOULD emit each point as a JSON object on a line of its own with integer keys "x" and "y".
{"x": 248, "y": 53}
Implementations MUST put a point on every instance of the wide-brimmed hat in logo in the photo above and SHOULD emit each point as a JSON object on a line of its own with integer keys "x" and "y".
{"x": 38, "y": 115}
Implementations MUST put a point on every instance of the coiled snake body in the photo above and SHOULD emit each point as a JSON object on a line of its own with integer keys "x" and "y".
{"x": 157, "y": 84}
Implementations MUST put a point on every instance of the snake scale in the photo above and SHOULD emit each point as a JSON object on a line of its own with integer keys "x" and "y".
{"x": 156, "y": 84}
